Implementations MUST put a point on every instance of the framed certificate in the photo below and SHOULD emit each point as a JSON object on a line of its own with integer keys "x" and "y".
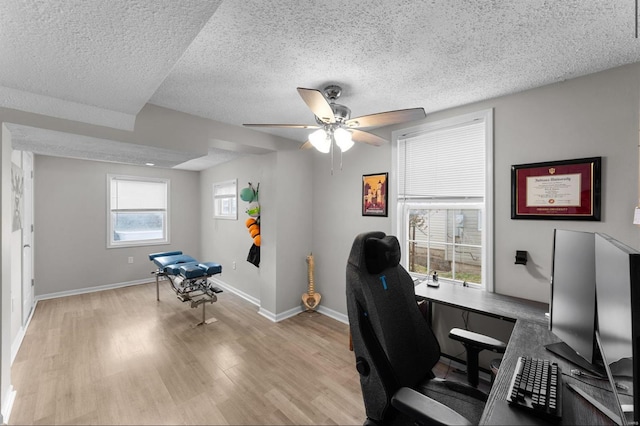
{"x": 565, "y": 190}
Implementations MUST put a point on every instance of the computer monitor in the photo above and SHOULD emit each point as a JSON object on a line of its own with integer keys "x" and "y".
{"x": 617, "y": 293}
{"x": 573, "y": 299}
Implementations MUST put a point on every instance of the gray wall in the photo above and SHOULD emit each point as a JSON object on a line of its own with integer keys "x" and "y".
{"x": 595, "y": 115}
{"x": 70, "y": 224}
{"x": 337, "y": 206}
{"x": 306, "y": 208}
{"x": 227, "y": 241}
{"x": 285, "y": 229}
{"x": 591, "y": 116}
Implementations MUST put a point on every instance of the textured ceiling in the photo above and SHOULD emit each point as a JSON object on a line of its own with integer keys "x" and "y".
{"x": 241, "y": 61}
{"x": 109, "y": 55}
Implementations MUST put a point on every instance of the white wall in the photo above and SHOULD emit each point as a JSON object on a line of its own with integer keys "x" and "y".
{"x": 71, "y": 251}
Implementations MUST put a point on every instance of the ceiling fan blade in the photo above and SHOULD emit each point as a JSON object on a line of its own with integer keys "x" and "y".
{"x": 318, "y": 104}
{"x": 366, "y": 137}
{"x": 288, "y": 126}
{"x": 387, "y": 118}
{"x": 306, "y": 145}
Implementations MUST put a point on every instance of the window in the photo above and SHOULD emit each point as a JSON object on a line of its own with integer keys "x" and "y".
{"x": 444, "y": 198}
{"x": 138, "y": 211}
{"x": 225, "y": 200}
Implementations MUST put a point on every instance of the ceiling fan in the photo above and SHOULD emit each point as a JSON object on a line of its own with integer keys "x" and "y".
{"x": 335, "y": 125}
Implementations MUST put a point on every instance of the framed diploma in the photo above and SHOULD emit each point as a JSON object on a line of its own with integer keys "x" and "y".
{"x": 565, "y": 190}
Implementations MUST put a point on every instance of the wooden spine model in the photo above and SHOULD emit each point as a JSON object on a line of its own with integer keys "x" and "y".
{"x": 311, "y": 299}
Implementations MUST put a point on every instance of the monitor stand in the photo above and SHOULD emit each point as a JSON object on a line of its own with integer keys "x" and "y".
{"x": 563, "y": 350}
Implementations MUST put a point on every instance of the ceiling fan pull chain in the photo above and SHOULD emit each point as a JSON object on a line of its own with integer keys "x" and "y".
{"x": 332, "y": 158}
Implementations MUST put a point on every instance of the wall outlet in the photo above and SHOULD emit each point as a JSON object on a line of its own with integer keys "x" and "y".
{"x": 233, "y": 265}
{"x": 130, "y": 259}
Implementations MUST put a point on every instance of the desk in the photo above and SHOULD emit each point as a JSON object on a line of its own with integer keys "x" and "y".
{"x": 495, "y": 305}
{"x": 529, "y": 338}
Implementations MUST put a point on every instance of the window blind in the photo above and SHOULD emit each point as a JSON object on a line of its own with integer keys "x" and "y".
{"x": 443, "y": 163}
{"x": 128, "y": 194}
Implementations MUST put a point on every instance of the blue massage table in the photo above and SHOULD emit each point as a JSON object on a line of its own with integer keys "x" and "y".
{"x": 189, "y": 278}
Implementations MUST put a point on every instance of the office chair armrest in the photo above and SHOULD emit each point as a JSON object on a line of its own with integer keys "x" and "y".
{"x": 477, "y": 340}
{"x": 424, "y": 409}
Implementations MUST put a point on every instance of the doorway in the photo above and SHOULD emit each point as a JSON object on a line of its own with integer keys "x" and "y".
{"x": 27, "y": 238}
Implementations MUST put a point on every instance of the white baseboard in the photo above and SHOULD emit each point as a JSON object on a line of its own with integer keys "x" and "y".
{"x": 7, "y": 404}
{"x": 235, "y": 291}
{"x": 333, "y": 314}
{"x": 281, "y": 316}
{"x": 91, "y": 289}
{"x": 17, "y": 342}
{"x": 267, "y": 314}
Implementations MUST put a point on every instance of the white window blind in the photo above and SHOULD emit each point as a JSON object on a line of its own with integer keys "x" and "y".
{"x": 138, "y": 211}
{"x": 443, "y": 163}
{"x": 225, "y": 200}
{"x": 127, "y": 194}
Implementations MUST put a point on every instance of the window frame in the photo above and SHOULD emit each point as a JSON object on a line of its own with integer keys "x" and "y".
{"x": 234, "y": 196}
{"x": 446, "y": 206}
{"x": 111, "y": 243}
{"x": 398, "y": 218}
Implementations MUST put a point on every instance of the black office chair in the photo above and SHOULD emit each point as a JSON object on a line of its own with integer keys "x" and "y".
{"x": 394, "y": 346}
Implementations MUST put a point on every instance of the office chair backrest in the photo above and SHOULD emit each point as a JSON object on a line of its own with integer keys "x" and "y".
{"x": 393, "y": 344}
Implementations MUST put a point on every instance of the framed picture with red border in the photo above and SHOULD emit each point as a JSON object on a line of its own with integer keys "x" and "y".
{"x": 558, "y": 190}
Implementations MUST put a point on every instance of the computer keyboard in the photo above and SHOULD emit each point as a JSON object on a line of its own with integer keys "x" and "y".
{"x": 536, "y": 387}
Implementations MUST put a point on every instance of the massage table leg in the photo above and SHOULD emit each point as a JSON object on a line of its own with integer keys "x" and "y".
{"x": 157, "y": 274}
{"x": 203, "y": 302}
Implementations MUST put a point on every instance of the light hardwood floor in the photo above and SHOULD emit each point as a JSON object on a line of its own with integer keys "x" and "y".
{"x": 120, "y": 357}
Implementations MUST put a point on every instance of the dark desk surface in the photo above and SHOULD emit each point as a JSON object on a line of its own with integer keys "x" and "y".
{"x": 482, "y": 302}
{"x": 528, "y": 339}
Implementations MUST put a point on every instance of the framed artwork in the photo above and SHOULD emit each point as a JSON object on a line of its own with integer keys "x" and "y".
{"x": 559, "y": 190}
{"x": 374, "y": 195}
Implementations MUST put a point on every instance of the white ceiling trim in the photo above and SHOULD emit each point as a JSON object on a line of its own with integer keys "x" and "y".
{"x": 69, "y": 145}
{"x": 59, "y": 108}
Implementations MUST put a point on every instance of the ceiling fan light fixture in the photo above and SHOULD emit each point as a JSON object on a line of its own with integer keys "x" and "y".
{"x": 320, "y": 141}
{"x": 343, "y": 139}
